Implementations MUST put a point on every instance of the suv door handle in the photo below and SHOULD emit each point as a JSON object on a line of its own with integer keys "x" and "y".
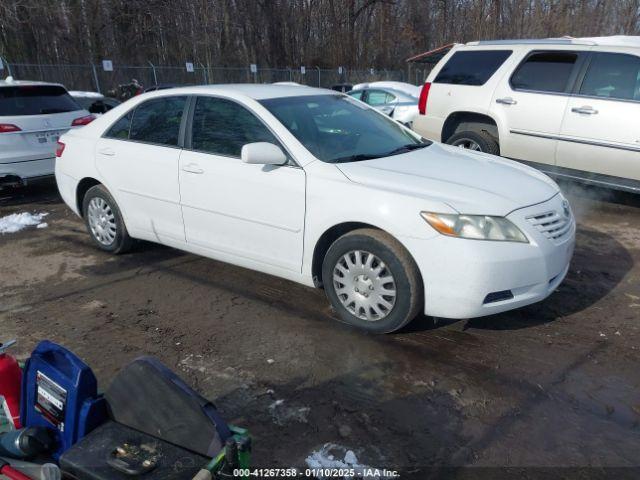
{"x": 506, "y": 101}
{"x": 192, "y": 168}
{"x": 107, "y": 151}
{"x": 587, "y": 110}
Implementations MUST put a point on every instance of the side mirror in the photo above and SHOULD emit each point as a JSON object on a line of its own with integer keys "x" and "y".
{"x": 263, "y": 153}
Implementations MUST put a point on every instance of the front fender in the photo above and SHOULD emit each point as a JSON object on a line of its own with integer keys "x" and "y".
{"x": 332, "y": 199}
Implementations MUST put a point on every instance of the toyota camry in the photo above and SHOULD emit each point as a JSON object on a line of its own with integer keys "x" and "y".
{"x": 321, "y": 189}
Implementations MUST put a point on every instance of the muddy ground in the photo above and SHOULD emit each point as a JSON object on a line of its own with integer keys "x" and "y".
{"x": 555, "y": 384}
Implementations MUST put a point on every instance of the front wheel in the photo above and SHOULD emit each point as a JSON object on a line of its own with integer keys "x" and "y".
{"x": 104, "y": 221}
{"x": 372, "y": 281}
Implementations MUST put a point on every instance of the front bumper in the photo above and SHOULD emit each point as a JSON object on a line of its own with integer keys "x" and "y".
{"x": 460, "y": 274}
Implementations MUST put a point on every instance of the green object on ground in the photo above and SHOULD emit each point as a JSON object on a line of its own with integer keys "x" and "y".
{"x": 243, "y": 454}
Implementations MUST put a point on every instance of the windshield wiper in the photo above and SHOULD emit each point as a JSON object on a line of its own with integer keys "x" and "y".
{"x": 370, "y": 156}
{"x": 356, "y": 158}
{"x": 407, "y": 148}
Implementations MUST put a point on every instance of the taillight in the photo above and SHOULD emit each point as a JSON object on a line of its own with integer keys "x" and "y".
{"x": 78, "y": 122}
{"x": 424, "y": 95}
{"x": 60, "y": 149}
{"x": 8, "y": 128}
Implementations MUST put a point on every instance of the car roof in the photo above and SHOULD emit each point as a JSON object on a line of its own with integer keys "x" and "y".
{"x": 10, "y": 82}
{"x": 614, "y": 40}
{"x": 83, "y": 94}
{"x": 254, "y": 91}
{"x": 399, "y": 87}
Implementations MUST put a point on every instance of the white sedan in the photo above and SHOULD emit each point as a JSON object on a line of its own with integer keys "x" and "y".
{"x": 313, "y": 186}
{"x": 397, "y": 99}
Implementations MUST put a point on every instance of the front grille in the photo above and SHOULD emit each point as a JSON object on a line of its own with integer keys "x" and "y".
{"x": 552, "y": 224}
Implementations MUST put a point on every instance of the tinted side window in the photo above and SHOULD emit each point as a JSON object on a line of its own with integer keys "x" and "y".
{"x": 158, "y": 121}
{"x": 545, "y": 72}
{"x": 613, "y": 75}
{"x": 223, "y": 127}
{"x": 356, "y": 94}
{"x": 472, "y": 67}
{"x": 120, "y": 129}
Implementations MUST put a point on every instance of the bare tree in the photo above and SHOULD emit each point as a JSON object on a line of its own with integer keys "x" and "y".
{"x": 282, "y": 33}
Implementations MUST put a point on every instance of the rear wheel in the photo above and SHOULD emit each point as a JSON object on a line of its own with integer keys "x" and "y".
{"x": 104, "y": 221}
{"x": 478, "y": 141}
{"x": 372, "y": 281}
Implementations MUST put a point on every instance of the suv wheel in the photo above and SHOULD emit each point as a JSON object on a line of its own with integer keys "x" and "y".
{"x": 372, "y": 281}
{"x": 104, "y": 221}
{"x": 475, "y": 140}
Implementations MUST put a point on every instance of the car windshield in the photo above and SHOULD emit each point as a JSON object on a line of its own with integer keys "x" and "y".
{"x": 35, "y": 100}
{"x": 338, "y": 129}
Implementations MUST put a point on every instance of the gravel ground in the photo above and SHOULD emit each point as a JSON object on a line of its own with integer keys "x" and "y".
{"x": 555, "y": 385}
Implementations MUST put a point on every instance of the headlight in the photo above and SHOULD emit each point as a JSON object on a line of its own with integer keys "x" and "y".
{"x": 478, "y": 227}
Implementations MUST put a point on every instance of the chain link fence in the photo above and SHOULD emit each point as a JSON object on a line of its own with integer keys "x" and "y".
{"x": 93, "y": 77}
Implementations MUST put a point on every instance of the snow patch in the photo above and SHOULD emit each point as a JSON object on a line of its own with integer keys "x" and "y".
{"x": 334, "y": 457}
{"x": 17, "y": 221}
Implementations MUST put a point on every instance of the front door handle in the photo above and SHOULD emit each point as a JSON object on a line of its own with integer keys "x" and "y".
{"x": 192, "y": 168}
{"x": 586, "y": 110}
{"x": 506, "y": 101}
{"x": 107, "y": 151}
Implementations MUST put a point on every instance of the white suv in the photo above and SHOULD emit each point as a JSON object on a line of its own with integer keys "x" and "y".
{"x": 569, "y": 107}
{"x": 33, "y": 115}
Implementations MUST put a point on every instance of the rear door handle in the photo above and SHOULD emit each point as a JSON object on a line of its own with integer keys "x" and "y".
{"x": 192, "y": 168}
{"x": 506, "y": 101}
{"x": 586, "y": 110}
{"x": 107, "y": 151}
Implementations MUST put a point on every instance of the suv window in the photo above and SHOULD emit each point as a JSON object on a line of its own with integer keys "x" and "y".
{"x": 223, "y": 127}
{"x": 36, "y": 100}
{"x": 472, "y": 67}
{"x": 613, "y": 75}
{"x": 545, "y": 72}
{"x": 158, "y": 121}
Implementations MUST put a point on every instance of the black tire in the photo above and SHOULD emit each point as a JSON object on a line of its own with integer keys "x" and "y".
{"x": 481, "y": 138}
{"x": 122, "y": 241}
{"x": 409, "y": 298}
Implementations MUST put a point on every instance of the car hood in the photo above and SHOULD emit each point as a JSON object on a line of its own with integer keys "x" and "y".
{"x": 469, "y": 182}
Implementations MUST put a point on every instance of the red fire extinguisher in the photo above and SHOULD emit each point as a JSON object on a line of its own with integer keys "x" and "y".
{"x": 10, "y": 381}
{"x": 10, "y": 472}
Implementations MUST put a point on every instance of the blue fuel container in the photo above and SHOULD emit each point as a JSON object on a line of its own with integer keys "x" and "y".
{"x": 60, "y": 391}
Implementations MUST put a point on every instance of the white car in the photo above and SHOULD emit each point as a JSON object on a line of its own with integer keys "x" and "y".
{"x": 316, "y": 187}
{"x": 397, "y": 99}
{"x": 33, "y": 115}
{"x": 569, "y": 107}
